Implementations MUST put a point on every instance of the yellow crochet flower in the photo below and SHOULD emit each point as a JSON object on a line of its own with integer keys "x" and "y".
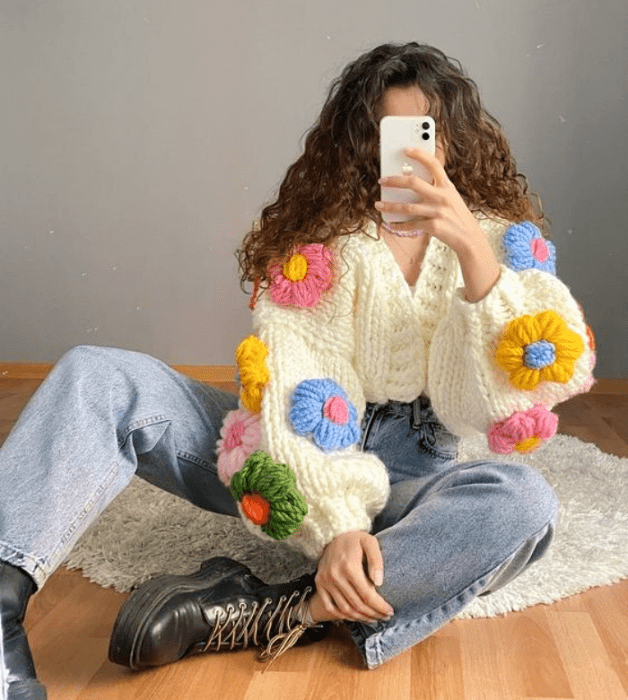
{"x": 538, "y": 348}
{"x": 251, "y": 358}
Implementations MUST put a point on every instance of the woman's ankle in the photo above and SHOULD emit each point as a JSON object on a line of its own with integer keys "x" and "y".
{"x": 317, "y": 610}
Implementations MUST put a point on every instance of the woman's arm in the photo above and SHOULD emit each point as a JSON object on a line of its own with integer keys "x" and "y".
{"x": 444, "y": 215}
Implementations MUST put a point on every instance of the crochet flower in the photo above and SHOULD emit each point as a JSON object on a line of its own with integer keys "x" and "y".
{"x": 538, "y": 348}
{"x": 267, "y": 494}
{"x": 523, "y": 431}
{"x": 525, "y": 249}
{"x": 251, "y": 358}
{"x": 240, "y": 436}
{"x": 320, "y": 407}
{"x": 301, "y": 280}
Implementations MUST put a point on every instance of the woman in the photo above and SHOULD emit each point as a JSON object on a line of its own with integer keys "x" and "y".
{"x": 375, "y": 347}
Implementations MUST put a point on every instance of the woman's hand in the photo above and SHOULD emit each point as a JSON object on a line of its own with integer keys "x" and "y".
{"x": 442, "y": 213}
{"x": 341, "y": 582}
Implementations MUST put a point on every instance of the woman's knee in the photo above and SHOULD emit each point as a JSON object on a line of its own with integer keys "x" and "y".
{"x": 87, "y": 360}
{"x": 533, "y": 500}
{"x": 84, "y": 357}
{"x": 91, "y": 369}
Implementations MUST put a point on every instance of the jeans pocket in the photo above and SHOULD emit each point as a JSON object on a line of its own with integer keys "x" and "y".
{"x": 438, "y": 440}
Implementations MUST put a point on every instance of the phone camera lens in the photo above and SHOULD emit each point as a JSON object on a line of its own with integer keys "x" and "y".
{"x": 426, "y": 125}
{"x": 426, "y": 137}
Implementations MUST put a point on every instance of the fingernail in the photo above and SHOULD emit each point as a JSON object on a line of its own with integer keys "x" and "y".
{"x": 378, "y": 578}
{"x": 378, "y": 205}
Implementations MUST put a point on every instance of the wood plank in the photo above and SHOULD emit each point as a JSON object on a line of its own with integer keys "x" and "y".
{"x": 24, "y": 370}
{"x": 351, "y": 679}
{"x": 607, "y": 606}
{"x": 212, "y": 374}
{"x": 204, "y": 373}
{"x": 518, "y": 658}
{"x": 437, "y": 667}
{"x": 610, "y": 386}
{"x": 591, "y": 673}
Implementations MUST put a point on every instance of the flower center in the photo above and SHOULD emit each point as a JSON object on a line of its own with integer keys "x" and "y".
{"x": 539, "y": 355}
{"x": 528, "y": 445}
{"x": 336, "y": 410}
{"x": 296, "y": 268}
{"x": 539, "y": 249}
{"x": 256, "y": 508}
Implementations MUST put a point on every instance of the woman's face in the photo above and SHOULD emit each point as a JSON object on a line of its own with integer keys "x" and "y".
{"x": 408, "y": 101}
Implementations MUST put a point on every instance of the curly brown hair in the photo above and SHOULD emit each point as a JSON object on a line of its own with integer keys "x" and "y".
{"x": 331, "y": 189}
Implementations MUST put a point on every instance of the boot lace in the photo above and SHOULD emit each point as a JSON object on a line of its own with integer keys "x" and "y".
{"x": 278, "y": 633}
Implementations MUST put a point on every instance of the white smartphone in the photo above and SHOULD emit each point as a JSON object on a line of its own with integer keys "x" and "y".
{"x": 395, "y": 134}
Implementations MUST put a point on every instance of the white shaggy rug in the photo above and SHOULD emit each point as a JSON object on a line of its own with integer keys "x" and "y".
{"x": 146, "y": 531}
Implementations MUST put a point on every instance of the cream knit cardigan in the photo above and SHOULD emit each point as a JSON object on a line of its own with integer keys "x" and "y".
{"x": 382, "y": 341}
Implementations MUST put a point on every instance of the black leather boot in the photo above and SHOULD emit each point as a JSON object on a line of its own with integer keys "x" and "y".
{"x": 16, "y": 587}
{"x": 223, "y": 606}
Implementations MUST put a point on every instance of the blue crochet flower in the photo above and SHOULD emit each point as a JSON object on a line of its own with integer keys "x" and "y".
{"x": 321, "y": 408}
{"x": 526, "y": 249}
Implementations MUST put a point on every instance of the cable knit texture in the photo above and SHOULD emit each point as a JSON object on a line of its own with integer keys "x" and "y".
{"x": 378, "y": 340}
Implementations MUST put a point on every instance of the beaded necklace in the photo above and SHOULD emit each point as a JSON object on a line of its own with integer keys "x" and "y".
{"x": 414, "y": 233}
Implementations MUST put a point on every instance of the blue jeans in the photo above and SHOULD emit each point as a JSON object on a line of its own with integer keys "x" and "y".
{"x": 448, "y": 533}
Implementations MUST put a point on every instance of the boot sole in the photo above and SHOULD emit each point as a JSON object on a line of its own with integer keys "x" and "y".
{"x": 130, "y": 626}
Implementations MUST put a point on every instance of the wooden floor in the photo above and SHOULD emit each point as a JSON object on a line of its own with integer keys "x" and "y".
{"x": 575, "y": 649}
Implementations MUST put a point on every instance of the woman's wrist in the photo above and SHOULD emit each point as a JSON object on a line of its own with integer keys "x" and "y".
{"x": 480, "y": 270}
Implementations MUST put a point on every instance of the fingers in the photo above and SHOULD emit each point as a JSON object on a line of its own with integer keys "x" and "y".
{"x": 408, "y": 182}
{"x": 352, "y": 602}
{"x": 337, "y": 605}
{"x": 430, "y": 162}
{"x": 375, "y": 560}
{"x": 417, "y": 211}
{"x": 345, "y": 589}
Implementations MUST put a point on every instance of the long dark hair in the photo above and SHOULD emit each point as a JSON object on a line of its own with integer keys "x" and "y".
{"x": 331, "y": 189}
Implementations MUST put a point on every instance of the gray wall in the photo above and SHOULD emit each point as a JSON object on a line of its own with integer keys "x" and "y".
{"x": 139, "y": 139}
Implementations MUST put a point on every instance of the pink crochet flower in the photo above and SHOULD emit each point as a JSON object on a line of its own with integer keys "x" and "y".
{"x": 241, "y": 433}
{"x": 523, "y": 431}
{"x": 303, "y": 278}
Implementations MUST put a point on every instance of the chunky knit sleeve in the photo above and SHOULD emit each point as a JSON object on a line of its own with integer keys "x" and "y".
{"x": 500, "y": 365}
{"x": 290, "y": 454}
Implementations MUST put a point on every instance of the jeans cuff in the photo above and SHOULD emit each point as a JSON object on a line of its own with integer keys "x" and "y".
{"x": 24, "y": 562}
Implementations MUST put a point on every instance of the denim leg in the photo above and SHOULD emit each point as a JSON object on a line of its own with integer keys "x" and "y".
{"x": 451, "y": 533}
{"x": 101, "y": 416}
{"x": 449, "y": 538}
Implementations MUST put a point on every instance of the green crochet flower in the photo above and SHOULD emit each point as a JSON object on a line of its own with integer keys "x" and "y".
{"x": 267, "y": 493}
